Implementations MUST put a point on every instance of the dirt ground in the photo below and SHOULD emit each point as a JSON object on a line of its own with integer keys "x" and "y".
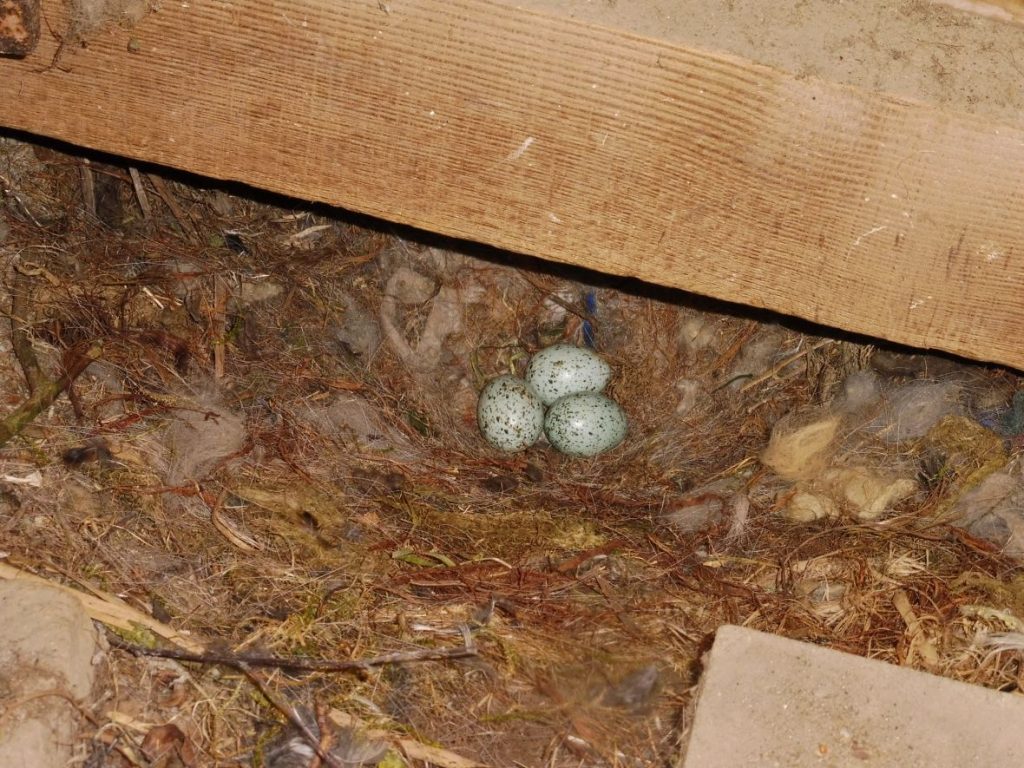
{"x": 269, "y": 460}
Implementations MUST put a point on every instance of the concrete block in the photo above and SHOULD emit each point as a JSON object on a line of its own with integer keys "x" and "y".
{"x": 47, "y": 644}
{"x": 769, "y": 701}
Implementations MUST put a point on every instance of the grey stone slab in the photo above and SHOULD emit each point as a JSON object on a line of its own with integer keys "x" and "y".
{"x": 770, "y": 701}
{"x": 47, "y": 644}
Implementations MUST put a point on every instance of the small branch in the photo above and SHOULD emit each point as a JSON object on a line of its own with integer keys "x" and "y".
{"x": 88, "y": 187}
{"x": 44, "y": 391}
{"x": 785, "y": 363}
{"x": 328, "y": 734}
{"x": 164, "y": 193}
{"x": 218, "y": 324}
{"x": 320, "y": 743}
{"x": 140, "y": 194}
{"x": 45, "y": 396}
{"x": 238, "y": 660}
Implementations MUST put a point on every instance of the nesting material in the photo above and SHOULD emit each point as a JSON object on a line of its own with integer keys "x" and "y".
{"x": 866, "y": 492}
{"x": 709, "y": 506}
{"x": 913, "y": 409}
{"x": 203, "y": 435}
{"x": 637, "y": 691}
{"x": 691, "y": 393}
{"x": 361, "y": 515}
{"x": 805, "y": 507}
{"x": 445, "y": 318}
{"x": 862, "y": 492}
{"x": 696, "y": 334}
{"x": 36, "y": 191}
{"x": 756, "y": 357}
{"x": 255, "y": 291}
{"x": 1012, "y": 422}
{"x": 699, "y": 509}
{"x": 358, "y": 424}
{"x": 860, "y": 393}
{"x": 356, "y": 329}
{"x": 806, "y": 450}
{"x": 801, "y": 446}
{"x": 739, "y": 517}
{"x": 407, "y": 286}
{"x": 961, "y": 451}
{"x": 994, "y": 509}
{"x": 348, "y": 746}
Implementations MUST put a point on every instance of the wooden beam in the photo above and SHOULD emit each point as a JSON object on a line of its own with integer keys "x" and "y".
{"x": 574, "y": 142}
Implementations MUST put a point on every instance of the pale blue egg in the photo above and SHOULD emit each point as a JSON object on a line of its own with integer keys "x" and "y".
{"x": 563, "y": 369}
{"x": 585, "y": 424}
{"x": 510, "y": 414}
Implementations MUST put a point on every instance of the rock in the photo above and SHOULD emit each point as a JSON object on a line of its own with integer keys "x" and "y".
{"x": 47, "y": 643}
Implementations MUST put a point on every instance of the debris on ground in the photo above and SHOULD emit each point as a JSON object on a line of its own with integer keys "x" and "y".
{"x": 262, "y": 473}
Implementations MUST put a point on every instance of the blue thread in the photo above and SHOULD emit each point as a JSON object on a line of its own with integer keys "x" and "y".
{"x": 589, "y": 334}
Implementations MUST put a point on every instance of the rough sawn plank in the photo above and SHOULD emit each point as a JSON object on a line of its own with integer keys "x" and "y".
{"x": 575, "y": 143}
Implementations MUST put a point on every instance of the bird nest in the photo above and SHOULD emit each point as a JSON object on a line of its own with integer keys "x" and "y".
{"x": 246, "y": 428}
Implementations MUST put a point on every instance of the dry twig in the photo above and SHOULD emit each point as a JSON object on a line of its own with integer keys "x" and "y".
{"x": 140, "y": 193}
{"x": 46, "y": 393}
{"x": 239, "y": 660}
{"x": 43, "y": 391}
{"x": 164, "y": 193}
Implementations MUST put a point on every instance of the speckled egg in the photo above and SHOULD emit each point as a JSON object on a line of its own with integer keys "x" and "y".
{"x": 585, "y": 424}
{"x": 510, "y": 414}
{"x": 563, "y": 370}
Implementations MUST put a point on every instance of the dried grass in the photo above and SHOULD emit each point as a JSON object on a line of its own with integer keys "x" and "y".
{"x": 312, "y": 531}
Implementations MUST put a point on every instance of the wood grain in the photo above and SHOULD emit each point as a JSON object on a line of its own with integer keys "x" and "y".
{"x": 575, "y": 143}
